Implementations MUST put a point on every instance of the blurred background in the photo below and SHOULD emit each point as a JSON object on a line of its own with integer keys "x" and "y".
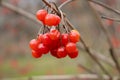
{"x": 16, "y": 31}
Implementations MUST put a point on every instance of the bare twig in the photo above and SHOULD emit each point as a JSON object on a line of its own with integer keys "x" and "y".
{"x": 114, "y": 58}
{"x": 20, "y": 11}
{"x": 109, "y": 18}
{"x": 105, "y": 6}
{"x": 94, "y": 58}
{"x": 51, "y": 6}
{"x": 66, "y": 2}
{"x": 88, "y": 70}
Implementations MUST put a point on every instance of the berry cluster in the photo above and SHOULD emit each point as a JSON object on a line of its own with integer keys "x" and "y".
{"x": 53, "y": 40}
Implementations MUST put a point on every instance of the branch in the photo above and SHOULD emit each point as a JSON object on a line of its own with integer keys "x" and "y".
{"x": 88, "y": 70}
{"x": 65, "y": 3}
{"x": 114, "y": 58}
{"x": 51, "y": 6}
{"x": 93, "y": 57}
{"x": 20, "y": 11}
{"x": 98, "y": 55}
{"x": 105, "y": 6}
{"x": 109, "y": 18}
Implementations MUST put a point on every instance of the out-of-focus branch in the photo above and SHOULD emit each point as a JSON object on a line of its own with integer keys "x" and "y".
{"x": 108, "y": 35}
{"x": 114, "y": 58}
{"x": 109, "y": 18}
{"x": 20, "y": 11}
{"x": 105, "y": 6}
{"x": 88, "y": 70}
{"x": 65, "y": 3}
{"x": 99, "y": 56}
{"x": 93, "y": 57}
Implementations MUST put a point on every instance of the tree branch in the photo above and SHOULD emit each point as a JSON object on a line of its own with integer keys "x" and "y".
{"x": 105, "y": 6}
{"x": 20, "y": 11}
{"x": 65, "y": 3}
{"x": 109, "y": 18}
{"x": 88, "y": 70}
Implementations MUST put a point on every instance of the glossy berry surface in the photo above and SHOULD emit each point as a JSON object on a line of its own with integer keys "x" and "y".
{"x": 61, "y": 52}
{"x": 36, "y": 54}
{"x": 46, "y": 40}
{"x": 34, "y": 44}
{"x": 39, "y": 38}
{"x": 74, "y": 54}
{"x": 54, "y": 34}
{"x": 71, "y": 47}
{"x": 43, "y": 49}
{"x": 52, "y": 20}
{"x": 41, "y": 14}
{"x": 53, "y": 52}
{"x": 64, "y": 38}
{"x": 74, "y": 36}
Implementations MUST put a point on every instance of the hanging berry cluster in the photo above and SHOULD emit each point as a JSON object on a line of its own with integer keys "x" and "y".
{"x": 54, "y": 37}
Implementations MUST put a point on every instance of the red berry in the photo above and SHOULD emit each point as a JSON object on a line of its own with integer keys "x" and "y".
{"x": 54, "y": 34}
{"x": 39, "y": 38}
{"x": 53, "y": 52}
{"x": 52, "y": 20}
{"x": 36, "y": 54}
{"x": 74, "y": 36}
{"x": 61, "y": 52}
{"x": 34, "y": 44}
{"x": 43, "y": 49}
{"x": 74, "y": 54}
{"x": 46, "y": 40}
{"x": 70, "y": 47}
{"x": 41, "y": 14}
{"x": 64, "y": 39}
{"x": 55, "y": 44}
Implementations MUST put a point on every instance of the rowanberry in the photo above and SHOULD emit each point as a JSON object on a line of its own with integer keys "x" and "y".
{"x": 34, "y": 44}
{"x": 39, "y": 38}
{"x": 74, "y": 54}
{"x": 36, "y": 54}
{"x": 61, "y": 52}
{"x": 71, "y": 47}
{"x": 64, "y": 38}
{"x": 41, "y": 14}
{"x": 54, "y": 34}
{"x": 52, "y": 20}
{"x": 74, "y": 36}
{"x": 43, "y": 49}
{"x": 46, "y": 40}
{"x": 53, "y": 52}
